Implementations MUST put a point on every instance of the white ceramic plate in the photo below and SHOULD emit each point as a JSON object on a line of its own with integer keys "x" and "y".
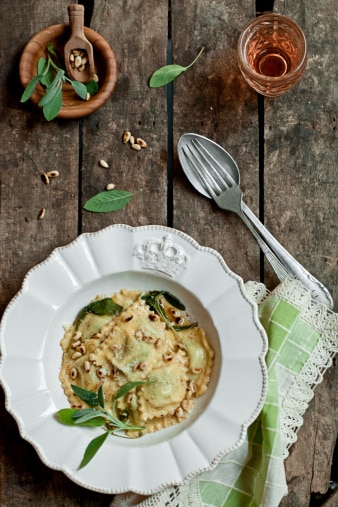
{"x": 149, "y": 257}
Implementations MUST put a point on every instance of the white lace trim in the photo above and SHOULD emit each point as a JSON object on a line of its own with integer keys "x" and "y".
{"x": 296, "y": 400}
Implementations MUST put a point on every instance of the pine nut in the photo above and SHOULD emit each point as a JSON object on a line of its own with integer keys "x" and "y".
{"x": 77, "y": 335}
{"x": 136, "y": 147}
{"x": 53, "y": 174}
{"x": 87, "y": 366}
{"x": 103, "y": 163}
{"x": 126, "y": 137}
{"x": 78, "y": 60}
{"x": 87, "y": 96}
{"x": 76, "y": 344}
{"x": 45, "y": 178}
{"x": 41, "y": 213}
{"x": 76, "y": 355}
{"x": 196, "y": 370}
{"x": 110, "y": 186}
{"x": 179, "y": 413}
{"x": 185, "y": 405}
{"x": 73, "y": 373}
{"x": 132, "y": 140}
{"x": 141, "y": 142}
{"x": 96, "y": 78}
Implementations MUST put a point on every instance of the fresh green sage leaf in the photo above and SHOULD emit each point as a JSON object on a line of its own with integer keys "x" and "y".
{"x": 29, "y": 90}
{"x": 127, "y": 387}
{"x": 84, "y": 415}
{"x": 85, "y": 395}
{"x": 52, "y": 51}
{"x": 92, "y": 87}
{"x": 105, "y": 306}
{"x": 101, "y": 396}
{"x": 80, "y": 89}
{"x": 109, "y": 200}
{"x": 52, "y": 109}
{"x": 50, "y": 96}
{"x": 173, "y": 300}
{"x": 168, "y": 73}
{"x": 65, "y": 416}
{"x": 165, "y": 75}
{"x": 42, "y": 65}
{"x": 183, "y": 328}
{"x": 92, "y": 448}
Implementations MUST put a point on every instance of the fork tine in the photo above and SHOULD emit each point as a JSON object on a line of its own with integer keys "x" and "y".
{"x": 225, "y": 180}
{"x": 204, "y": 177}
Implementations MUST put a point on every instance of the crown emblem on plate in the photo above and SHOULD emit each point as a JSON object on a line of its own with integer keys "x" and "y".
{"x": 161, "y": 255}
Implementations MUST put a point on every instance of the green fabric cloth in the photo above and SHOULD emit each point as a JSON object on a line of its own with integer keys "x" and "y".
{"x": 303, "y": 338}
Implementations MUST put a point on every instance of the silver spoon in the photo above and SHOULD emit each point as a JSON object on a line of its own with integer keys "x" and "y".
{"x": 215, "y": 174}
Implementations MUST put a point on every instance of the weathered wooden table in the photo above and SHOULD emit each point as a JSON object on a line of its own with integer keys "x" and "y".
{"x": 285, "y": 149}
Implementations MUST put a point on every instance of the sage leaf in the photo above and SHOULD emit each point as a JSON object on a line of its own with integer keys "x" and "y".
{"x": 92, "y": 87}
{"x": 109, "y": 200}
{"x": 165, "y": 75}
{"x": 29, "y": 90}
{"x": 101, "y": 396}
{"x": 42, "y": 66}
{"x": 92, "y": 448}
{"x": 173, "y": 300}
{"x": 80, "y": 89}
{"x": 127, "y": 387}
{"x": 52, "y": 109}
{"x": 65, "y": 416}
{"x": 84, "y": 415}
{"x": 105, "y": 306}
{"x": 168, "y": 73}
{"x": 85, "y": 395}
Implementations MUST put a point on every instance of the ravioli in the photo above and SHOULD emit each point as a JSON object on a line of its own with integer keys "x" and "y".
{"x": 165, "y": 349}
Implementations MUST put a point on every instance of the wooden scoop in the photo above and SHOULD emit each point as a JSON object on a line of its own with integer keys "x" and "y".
{"x": 78, "y": 52}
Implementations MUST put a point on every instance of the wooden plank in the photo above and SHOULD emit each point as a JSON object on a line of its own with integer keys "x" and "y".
{"x": 300, "y": 154}
{"x": 301, "y": 188}
{"x": 30, "y": 145}
{"x": 137, "y": 33}
{"x": 212, "y": 99}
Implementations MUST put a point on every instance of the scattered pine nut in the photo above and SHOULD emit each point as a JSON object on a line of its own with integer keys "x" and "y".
{"x": 141, "y": 142}
{"x": 103, "y": 163}
{"x": 132, "y": 140}
{"x": 53, "y": 174}
{"x": 96, "y": 78}
{"x": 87, "y": 96}
{"x": 41, "y": 213}
{"x": 45, "y": 178}
{"x": 136, "y": 147}
{"x": 110, "y": 186}
{"x": 126, "y": 137}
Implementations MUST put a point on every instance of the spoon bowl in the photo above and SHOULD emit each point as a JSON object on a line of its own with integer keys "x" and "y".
{"x": 78, "y": 52}
{"x": 218, "y": 153}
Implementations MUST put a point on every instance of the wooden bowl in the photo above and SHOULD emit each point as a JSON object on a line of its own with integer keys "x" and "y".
{"x": 105, "y": 67}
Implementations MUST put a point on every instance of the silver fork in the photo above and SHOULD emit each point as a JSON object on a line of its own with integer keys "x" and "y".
{"x": 227, "y": 194}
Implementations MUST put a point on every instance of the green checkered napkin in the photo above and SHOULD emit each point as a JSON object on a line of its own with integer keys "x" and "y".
{"x": 303, "y": 338}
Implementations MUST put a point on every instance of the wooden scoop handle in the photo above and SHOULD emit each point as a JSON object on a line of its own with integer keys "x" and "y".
{"x": 76, "y": 19}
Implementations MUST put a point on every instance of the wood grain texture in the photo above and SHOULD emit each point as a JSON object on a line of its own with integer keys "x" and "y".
{"x": 300, "y": 175}
{"x": 137, "y": 32}
{"x": 212, "y": 99}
